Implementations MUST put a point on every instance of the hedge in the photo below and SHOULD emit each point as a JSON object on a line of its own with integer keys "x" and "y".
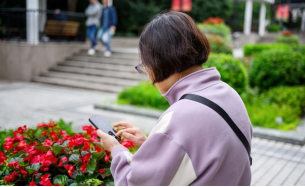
{"x": 291, "y": 40}
{"x": 232, "y": 71}
{"x": 277, "y": 67}
{"x": 253, "y": 49}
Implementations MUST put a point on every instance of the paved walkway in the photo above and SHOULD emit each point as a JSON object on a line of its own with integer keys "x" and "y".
{"x": 274, "y": 163}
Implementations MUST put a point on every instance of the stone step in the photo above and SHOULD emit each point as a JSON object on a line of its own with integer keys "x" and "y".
{"x": 104, "y": 73}
{"x": 78, "y": 84}
{"x": 96, "y": 65}
{"x": 104, "y": 60}
{"x": 90, "y": 78}
{"x": 114, "y": 55}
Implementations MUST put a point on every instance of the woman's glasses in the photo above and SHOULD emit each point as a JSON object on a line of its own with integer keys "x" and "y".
{"x": 141, "y": 68}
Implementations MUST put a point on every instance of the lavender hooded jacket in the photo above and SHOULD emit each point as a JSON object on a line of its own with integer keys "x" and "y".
{"x": 191, "y": 144}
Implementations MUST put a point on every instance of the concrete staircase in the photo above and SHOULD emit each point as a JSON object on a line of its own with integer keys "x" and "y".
{"x": 95, "y": 72}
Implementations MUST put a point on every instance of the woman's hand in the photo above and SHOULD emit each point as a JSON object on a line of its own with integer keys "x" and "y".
{"x": 131, "y": 133}
{"x": 108, "y": 142}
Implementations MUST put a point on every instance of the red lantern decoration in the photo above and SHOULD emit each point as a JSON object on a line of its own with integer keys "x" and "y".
{"x": 182, "y": 5}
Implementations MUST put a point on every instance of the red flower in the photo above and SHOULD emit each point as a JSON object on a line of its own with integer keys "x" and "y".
{"x": 8, "y": 145}
{"x": 88, "y": 128}
{"x": 86, "y": 146}
{"x": 98, "y": 149}
{"x": 21, "y": 129}
{"x": 44, "y": 168}
{"x": 83, "y": 168}
{"x": 62, "y": 132}
{"x": 11, "y": 177}
{"x": 7, "y": 179}
{"x": 86, "y": 158}
{"x": 22, "y": 144}
{"x": 59, "y": 141}
{"x": 60, "y": 164}
{"x": 8, "y": 139}
{"x": 2, "y": 158}
{"x": 48, "y": 143}
{"x": 32, "y": 183}
{"x": 101, "y": 171}
{"x": 23, "y": 172}
{"x": 13, "y": 164}
{"x": 128, "y": 143}
{"x": 46, "y": 163}
{"x": 45, "y": 177}
{"x": 71, "y": 144}
{"x": 54, "y": 136}
{"x": 107, "y": 158}
{"x": 79, "y": 141}
{"x": 17, "y": 136}
{"x": 45, "y": 180}
{"x": 70, "y": 169}
{"x": 44, "y": 133}
{"x": 64, "y": 159}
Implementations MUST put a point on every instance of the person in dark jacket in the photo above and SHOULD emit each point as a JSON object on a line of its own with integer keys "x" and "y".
{"x": 108, "y": 26}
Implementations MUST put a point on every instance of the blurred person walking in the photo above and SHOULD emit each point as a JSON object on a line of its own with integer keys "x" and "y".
{"x": 93, "y": 12}
{"x": 108, "y": 26}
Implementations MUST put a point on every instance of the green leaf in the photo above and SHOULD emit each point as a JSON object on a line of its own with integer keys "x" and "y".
{"x": 57, "y": 149}
{"x": 93, "y": 176}
{"x": 91, "y": 166}
{"x": 75, "y": 173}
{"x": 60, "y": 179}
{"x": 32, "y": 168}
{"x": 110, "y": 183}
{"x": 70, "y": 181}
{"x": 18, "y": 159}
{"x": 41, "y": 147}
{"x": 74, "y": 158}
{"x": 80, "y": 178}
{"x": 41, "y": 139}
{"x": 98, "y": 155}
{"x": 106, "y": 173}
{"x": 73, "y": 184}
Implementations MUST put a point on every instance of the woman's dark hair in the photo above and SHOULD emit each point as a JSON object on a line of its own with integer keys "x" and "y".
{"x": 172, "y": 43}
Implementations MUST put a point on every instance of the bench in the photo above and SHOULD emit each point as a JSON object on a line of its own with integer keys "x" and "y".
{"x": 61, "y": 28}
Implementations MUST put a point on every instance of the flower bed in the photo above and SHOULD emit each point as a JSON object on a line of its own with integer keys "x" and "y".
{"x": 48, "y": 155}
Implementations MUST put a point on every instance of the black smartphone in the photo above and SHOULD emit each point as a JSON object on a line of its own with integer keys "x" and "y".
{"x": 100, "y": 123}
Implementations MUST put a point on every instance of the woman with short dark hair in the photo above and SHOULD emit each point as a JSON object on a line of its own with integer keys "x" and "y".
{"x": 204, "y": 137}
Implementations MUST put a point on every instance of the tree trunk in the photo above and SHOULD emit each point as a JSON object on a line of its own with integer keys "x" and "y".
{"x": 72, "y": 5}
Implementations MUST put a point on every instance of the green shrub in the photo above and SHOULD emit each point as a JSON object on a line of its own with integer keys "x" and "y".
{"x": 219, "y": 45}
{"x": 291, "y": 40}
{"x": 145, "y": 95}
{"x": 273, "y": 28}
{"x": 265, "y": 115}
{"x": 232, "y": 71}
{"x": 293, "y": 96}
{"x": 287, "y": 103}
{"x": 277, "y": 67}
{"x": 220, "y": 30}
{"x": 253, "y": 49}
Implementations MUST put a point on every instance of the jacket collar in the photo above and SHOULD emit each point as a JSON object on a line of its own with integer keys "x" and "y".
{"x": 193, "y": 82}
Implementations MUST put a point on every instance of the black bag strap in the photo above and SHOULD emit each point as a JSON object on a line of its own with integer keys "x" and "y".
{"x": 224, "y": 115}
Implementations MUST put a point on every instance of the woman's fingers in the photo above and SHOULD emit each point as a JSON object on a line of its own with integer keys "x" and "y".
{"x": 130, "y": 137}
{"x": 131, "y": 131}
{"x": 123, "y": 124}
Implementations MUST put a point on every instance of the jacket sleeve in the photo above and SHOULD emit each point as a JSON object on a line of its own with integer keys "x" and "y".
{"x": 156, "y": 163}
{"x": 114, "y": 16}
{"x": 93, "y": 11}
